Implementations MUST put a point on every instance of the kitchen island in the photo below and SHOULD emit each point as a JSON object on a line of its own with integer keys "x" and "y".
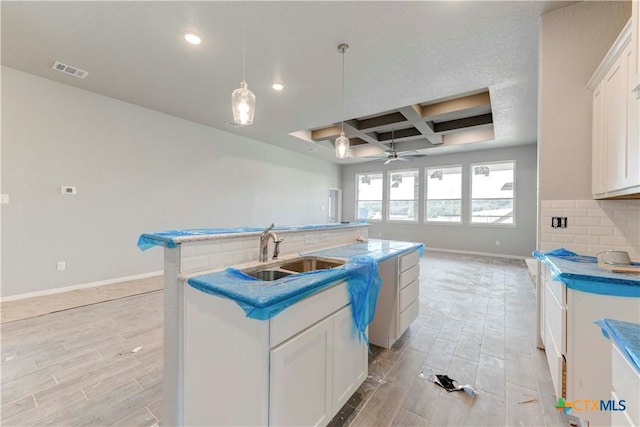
{"x": 574, "y": 293}
{"x": 225, "y": 365}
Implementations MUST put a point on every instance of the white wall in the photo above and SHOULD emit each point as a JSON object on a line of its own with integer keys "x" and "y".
{"x": 136, "y": 170}
{"x": 573, "y": 42}
{"x": 514, "y": 241}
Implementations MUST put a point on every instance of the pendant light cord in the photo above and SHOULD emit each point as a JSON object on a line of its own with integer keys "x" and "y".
{"x": 244, "y": 36}
{"x": 342, "y": 124}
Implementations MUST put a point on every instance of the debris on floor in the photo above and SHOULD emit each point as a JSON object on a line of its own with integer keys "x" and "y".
{"x": 451, "y": 385}
{"x": 137, "y": 349}
{"x": 527, "y": 401}
{"x": 375, "y": 378}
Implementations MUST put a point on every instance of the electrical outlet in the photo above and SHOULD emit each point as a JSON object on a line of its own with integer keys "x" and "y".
{"x": 559, "y": 222}
{"x": 67, "y": 190}
{"x": 4, "y": 199}
{"x": 61, "y": 266}
{"x": 497, "y": 242}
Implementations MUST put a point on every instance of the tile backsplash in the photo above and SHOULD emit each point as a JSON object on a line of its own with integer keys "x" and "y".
{"x": 592, "y": 226}
{"x": 217, "y": 253}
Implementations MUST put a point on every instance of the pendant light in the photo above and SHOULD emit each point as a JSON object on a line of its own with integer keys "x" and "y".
{"x": 243, "y": 101}
{"x": 342, "y": 142}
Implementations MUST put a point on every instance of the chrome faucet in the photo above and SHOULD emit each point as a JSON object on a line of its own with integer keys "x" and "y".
{"x": 264, "y": 244}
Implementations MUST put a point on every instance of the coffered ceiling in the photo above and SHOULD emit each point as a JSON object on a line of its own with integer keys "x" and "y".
{"x": 444, "y": 75}
{"x": 463, "y": 119}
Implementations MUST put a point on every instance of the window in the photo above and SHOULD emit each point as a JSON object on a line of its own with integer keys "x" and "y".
{"x": 444, "y": 194}
{"x": 492, "y": 197}
{"x": 403, "y": 195}
{"x": 369, "y": 190}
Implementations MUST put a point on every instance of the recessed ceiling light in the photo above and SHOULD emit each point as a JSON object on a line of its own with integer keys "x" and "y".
{"x": 192, "y": 37}
{"x": 277, "y": 86}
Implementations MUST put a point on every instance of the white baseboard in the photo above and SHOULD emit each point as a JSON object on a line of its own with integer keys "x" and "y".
{"x": 454, "y": 251}
{"x": 82, "y": 286}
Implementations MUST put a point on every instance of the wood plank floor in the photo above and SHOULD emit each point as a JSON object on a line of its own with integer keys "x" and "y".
{"x": 26, "y": 308}
{"x": 101, "y": 365}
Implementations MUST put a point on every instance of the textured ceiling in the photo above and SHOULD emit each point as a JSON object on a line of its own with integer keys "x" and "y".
{"x": 402, "y": 54}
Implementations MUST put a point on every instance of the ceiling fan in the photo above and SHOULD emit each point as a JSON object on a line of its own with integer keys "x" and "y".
{"x": 392, "y": 155}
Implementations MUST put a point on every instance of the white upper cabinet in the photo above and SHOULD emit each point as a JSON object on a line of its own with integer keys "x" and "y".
{"x": 635, "y": 36}
{"x": 616, "y": 120}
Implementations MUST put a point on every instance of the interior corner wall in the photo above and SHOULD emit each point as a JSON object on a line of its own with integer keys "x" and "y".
{"x": 573, "y": 42}
{"x": 517, "y": 241}
{"x": 136, "y": 170}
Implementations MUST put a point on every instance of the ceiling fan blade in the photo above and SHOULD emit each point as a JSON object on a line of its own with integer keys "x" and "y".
{"x": 388, "y": 161}
{"x": 408, "y": 153}
{"x": 402, "y": 159}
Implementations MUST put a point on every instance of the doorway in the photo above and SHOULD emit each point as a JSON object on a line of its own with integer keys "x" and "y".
{"x": 334, "y": 210}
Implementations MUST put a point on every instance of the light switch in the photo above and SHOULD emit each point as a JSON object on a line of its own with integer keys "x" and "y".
{"x": 4, "y": 199}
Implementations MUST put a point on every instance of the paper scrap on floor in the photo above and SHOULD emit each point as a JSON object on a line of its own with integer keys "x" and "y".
{"x": 452, "y": 385}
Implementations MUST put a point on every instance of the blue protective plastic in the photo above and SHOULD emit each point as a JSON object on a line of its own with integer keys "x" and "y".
{"x": 263, "y": 300}
{"x": 168, "y": 238}
{"x": 626, "y": 336}
{"x": 364, "y": 285}
{"x": 378, "y": 249}
{"x": 582, "y": 273}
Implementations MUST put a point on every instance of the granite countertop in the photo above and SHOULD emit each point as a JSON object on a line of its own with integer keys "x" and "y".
{"x": 172, "y": 238}
{"x": 626, "y": 336}
{"x": 262, "y": 294}
{"x": 583, "y": 274}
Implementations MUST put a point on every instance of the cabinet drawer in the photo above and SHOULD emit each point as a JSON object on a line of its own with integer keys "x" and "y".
{"x": 406, "y": 277}
{"x": 626, "y": 384}
{"x": 305, "y": 313}
{"x": 409, "y": 294}
{"x": 557, "y": 287}
{"x": 408, "y": 260}
{"x": 555, "y": 316}
{"x": 408, "y": 316}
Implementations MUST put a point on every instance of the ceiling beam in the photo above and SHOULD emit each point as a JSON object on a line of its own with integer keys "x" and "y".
{"x": 413, "y": 115}
{"x": 329, "y": 132}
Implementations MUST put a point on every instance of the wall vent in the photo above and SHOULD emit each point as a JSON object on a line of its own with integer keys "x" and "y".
{"x": 68, "y": 69}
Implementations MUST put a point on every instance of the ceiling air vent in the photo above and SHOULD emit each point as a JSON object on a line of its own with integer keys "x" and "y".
{"x": 68, "y": 69}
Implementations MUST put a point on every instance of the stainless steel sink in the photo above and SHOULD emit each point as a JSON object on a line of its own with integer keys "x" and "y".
{"x": 298, "y": 265}
{"x": 306, "y": 264}
{"x": 269, "y": 275}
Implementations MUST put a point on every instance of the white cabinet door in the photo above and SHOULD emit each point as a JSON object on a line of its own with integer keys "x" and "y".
{"x": 383, "y": 330}
{"x": 635, "y": 35}
{"x": 615, "y": 123}
{"x": 301, "y": 378}
{"x": 597, "y": 148}
{"x": 631, "y": 173}
{"x": 616, "y": 119}
{"x": 349, "y": 358}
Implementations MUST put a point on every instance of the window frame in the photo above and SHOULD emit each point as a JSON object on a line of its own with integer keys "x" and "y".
{"x": 513, "y": 198}
{"x": 388, "y": 196}
{"x": 382, "y": 204}
{"x": 426, "y": 198}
